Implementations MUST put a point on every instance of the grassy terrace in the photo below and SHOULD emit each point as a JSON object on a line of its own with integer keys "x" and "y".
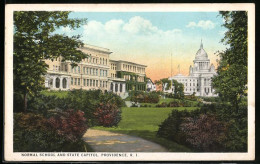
{"x": 143, "y": 122}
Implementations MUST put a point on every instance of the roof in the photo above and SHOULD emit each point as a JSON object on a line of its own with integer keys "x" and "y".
{"x": 123, "y": 61}
{"x": 201, "y": 53}
{"x": 96, "y": 48}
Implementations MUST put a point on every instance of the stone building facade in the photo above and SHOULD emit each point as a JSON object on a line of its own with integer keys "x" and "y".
{"x": 199, "y": 79}
{"x": 95, "y": 72}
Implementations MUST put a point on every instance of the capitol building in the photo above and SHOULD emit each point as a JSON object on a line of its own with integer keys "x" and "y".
{"x": 199, "y": 79}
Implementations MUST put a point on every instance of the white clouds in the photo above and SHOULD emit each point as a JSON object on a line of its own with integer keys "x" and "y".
{"x": 139, "y": 25}
{"x": 201, "y": 24}
{"x": 135, "y": 36}
{"x": 67, "y": 29}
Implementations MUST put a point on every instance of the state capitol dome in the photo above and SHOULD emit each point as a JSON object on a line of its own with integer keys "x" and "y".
{"x": 201, "y": 53}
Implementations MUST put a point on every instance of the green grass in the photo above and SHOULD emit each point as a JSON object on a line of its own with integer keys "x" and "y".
{"x": 144, "y": 123}
{"x": 60, "y": 94}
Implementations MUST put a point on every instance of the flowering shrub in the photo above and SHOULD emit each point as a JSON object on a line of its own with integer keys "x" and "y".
{"x": 143, "y": 97}
{"x": 69, "y": 124}
{"x": 34, "y": 133}
{"x": 205, "y": 133}
{"x": 107, "y": 115}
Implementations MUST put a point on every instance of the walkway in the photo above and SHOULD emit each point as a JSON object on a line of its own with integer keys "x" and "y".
{"x": 104, "y": 141}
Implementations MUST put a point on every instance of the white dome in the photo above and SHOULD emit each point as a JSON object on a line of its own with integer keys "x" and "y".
{"x": 201, "y": 53}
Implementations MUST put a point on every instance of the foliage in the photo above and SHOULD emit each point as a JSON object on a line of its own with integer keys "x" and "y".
{"x": 213, "y": 127}
{"x": 166, "y": 83}
{"x": 178, "y": 103}
{"x": 69, "y": 124}
{"x": 108, "y": 114}
{"x": 144, "y": 97}
{"x": 34, "y": 133}
{"x": 205, "y": 132}
{"x": 178, "y": 89}
{"x": 34, "y": 41}
{"x": 231, "y": 81}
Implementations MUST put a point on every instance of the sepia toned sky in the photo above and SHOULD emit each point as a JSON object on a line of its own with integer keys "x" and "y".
{"x": 150, "y": 38}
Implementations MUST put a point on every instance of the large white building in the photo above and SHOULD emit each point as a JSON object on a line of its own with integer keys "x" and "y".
{"x": 97, "y": 71}
{"x": 199, "y": 79}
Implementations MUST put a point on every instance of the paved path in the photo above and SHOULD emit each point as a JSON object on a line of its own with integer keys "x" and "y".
{"x": 104, "y": 141}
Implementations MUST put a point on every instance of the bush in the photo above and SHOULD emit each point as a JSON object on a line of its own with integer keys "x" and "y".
{"x": 107, "y": 115}
{"x": 34, "y": 133}
{"x": 69, "y": 124}
{"x": 144, "y": 97}
{"x": 213, "y": 127}
{"x": 204, "y": 133}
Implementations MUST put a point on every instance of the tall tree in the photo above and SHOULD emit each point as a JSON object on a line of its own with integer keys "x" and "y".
{"x": 35, "y": 41}
{"x": 231, "y": 81}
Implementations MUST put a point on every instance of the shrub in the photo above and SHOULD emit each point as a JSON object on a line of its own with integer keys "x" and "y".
{"x": 213, "y": 127}
{"x": 144, "y": 97}
{"x": 107, "y": 115}
{"x": 34, "y": 133}
{"x": 204, "y": 133}
{"x": 69, "y": 124}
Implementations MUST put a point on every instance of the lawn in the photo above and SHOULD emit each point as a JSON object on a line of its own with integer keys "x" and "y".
{"x": 60, "y": 94}
{"x": 144, "y": 122}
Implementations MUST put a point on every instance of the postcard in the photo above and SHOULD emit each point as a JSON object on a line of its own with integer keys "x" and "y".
{"x": 129, "y": 82}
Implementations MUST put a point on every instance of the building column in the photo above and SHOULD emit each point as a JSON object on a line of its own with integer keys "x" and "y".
{"x": 202, "y": 87}
{"x": 118, "y": 87}
{"x": 61, "y": 82}
{"x": 68, "y": 79}
{"x": 114, "y": 87}
{"x": 54, "y": 82}
{"x": 123, "y": 87}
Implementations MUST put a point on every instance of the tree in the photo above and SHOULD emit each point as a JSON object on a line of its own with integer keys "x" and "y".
{"x": 178, "y": 89}
{"x": 34, "y": 41}
{"x": 231, "y": 81}
{"x": 164, "y": 82}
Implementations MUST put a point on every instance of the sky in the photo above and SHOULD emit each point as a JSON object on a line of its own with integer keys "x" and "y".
{"x": 160, "y": 40}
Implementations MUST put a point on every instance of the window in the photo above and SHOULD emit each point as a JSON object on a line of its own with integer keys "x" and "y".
{"x": 100, "y": 83}
{"x": 90, "y": 72}
{"x": 90, "y": 82}
{"x": 87, "y": 70}
{"x": 53, "y": 67}
{"x": 75, "y": 81}
{"x": 71, "y": 82}
{"x": 94, "y": 82}
{"x": 97, "y": 72}
{"x": 96, "y": 61}
{"x": 87, "y": 82}
{"x": 106, "y": 61}
{"x": 103, "y": 84}
{"x": 103, "y": 61}
{"x": 100, "y": 61}
{"x": 84, "y": 82}
{"x": 78, "y": 81}
{"x": 101, "y": 72}
{"x": 83, "y": 70}
{"x": 78, "y": 69}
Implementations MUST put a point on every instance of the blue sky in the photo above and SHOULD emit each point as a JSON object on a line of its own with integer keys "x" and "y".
{"x": 151, "y": 37}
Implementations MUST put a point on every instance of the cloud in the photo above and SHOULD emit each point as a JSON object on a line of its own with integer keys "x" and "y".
{"x": 137, "y": 33}
{"x": 67, "y": 29}
{"x": 201, "y": 24}
{"x": 139, "y": 25}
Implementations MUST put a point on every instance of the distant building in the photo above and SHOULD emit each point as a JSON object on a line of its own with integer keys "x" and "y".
{"x": 150, "y": 86}
{"x": 199, "y": 79}
{"x": 95, "y": 72}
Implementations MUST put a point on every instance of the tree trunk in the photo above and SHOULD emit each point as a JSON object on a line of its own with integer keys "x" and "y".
{"x": 25, "y": 102}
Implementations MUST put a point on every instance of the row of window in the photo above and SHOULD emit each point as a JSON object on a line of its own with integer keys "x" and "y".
{"x": 113, "y": 66}
{"x": 207, "y": 90}
{"x": 90, "y": 71}
{"x": 133, "y": 68}
{"x": 96, "y": 60}
{"x": 89, "y": 82}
